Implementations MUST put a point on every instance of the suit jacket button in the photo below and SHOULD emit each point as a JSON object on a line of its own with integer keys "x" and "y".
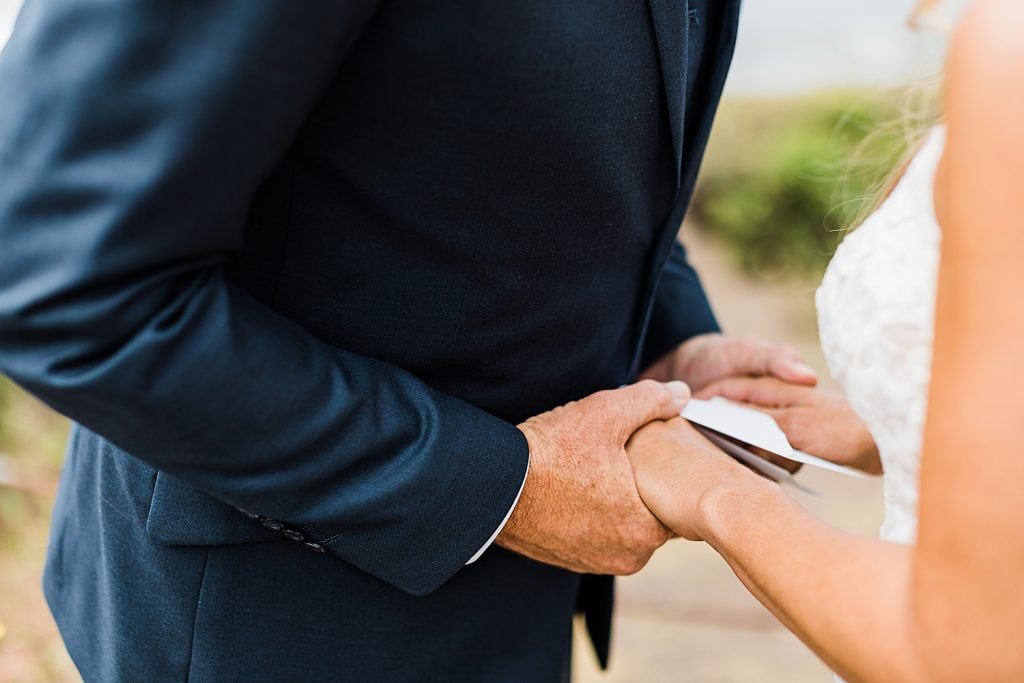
{"x": 272, "y": 524}
{"x": 316, "y": 547}
{"x": 294, "y": 535}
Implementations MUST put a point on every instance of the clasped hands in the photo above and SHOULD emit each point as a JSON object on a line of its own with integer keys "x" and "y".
{"x": 616, "y": 474}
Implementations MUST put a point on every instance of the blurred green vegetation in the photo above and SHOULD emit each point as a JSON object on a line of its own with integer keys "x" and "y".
{"x": 783, "y": 179}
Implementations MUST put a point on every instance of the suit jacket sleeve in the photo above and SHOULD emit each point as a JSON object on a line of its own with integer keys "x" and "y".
{"x": 133, "y": 134}
{"x": 681, "y": 309}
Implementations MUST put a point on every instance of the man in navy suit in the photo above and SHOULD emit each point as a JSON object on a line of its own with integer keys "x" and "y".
{"x": 313, "y": 279}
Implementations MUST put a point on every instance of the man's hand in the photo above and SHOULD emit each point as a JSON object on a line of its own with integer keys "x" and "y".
{"x": 676, "y": 469}
{"x": 814, "y": 421}
{"x": 710, "y": 357}
{"x": 580, "y": 508}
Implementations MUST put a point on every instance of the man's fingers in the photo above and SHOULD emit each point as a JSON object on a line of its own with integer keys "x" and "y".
{"x": 776, "y": 361}
{"x": 633, "y": 406}
{"x": 761, "y": 391}
{"x": 792, "y": 370}
{"x": 757, "y": 359}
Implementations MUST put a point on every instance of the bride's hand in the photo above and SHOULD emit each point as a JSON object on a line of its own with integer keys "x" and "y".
{"x": 817, "y": 422}
{"x": 677, "y": 470}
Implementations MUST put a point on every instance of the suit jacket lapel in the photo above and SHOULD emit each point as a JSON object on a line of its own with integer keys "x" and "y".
{"x": 671, "y": 26}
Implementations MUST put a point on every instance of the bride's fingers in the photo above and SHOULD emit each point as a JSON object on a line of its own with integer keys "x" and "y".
{"x": 780, "y": 415}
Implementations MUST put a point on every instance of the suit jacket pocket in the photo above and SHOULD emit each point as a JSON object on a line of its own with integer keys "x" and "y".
{"x": 182, "y": 515}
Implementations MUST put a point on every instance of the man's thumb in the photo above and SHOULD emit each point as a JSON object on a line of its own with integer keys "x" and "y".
{"x": 647, "y": 400}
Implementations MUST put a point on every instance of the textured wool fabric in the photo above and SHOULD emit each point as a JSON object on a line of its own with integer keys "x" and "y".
{"x": 297, "y": 270}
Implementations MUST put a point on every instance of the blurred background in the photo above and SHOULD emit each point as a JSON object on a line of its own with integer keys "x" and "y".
{"x": 819, "y": 109}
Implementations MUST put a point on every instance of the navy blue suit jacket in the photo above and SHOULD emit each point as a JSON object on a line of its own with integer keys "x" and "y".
{"x": 296, "y": 269}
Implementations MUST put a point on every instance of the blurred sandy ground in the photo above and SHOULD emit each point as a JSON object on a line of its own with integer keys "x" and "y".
{"x": 33, "y": 436}
{"x": 685, "y": 617}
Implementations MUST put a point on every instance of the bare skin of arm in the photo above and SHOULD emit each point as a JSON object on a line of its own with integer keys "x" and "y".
{"x": 951, "y": 607}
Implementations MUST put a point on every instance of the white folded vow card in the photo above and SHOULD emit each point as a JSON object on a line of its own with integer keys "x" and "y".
{"x": 725, "y": 423}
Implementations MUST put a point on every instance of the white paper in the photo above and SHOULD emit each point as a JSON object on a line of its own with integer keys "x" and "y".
{"x": 754, "y": 461}
{"x": 746, "y": 424}
{"x": 755, "y": 428}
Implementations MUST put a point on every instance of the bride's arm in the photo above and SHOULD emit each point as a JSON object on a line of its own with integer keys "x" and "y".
{"x": 951, "y": 608}
{"x": 843, "y": 595}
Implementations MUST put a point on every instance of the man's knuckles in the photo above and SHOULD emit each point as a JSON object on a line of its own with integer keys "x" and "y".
{"x": 628, "y": 560}
{"x": 629, "y": 565}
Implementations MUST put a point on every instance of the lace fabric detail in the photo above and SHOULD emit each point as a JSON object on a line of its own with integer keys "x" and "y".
{"x": 876, "y": 309}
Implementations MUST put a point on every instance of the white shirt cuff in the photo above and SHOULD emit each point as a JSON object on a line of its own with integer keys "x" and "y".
{"x": 504, "y": 521}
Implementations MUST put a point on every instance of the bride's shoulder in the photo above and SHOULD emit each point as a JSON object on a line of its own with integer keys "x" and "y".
{"x": 986, "y": 49}
{"x": 977, "y": 189}
{"x": 984, "y": 111}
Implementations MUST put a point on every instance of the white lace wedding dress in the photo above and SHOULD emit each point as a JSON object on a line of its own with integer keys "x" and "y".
{"x": 876, "y": 308}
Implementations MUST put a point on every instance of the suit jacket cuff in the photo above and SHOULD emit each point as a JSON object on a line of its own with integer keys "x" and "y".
{"x": 501, "y": 526}
{"x": 457, "y": 510}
